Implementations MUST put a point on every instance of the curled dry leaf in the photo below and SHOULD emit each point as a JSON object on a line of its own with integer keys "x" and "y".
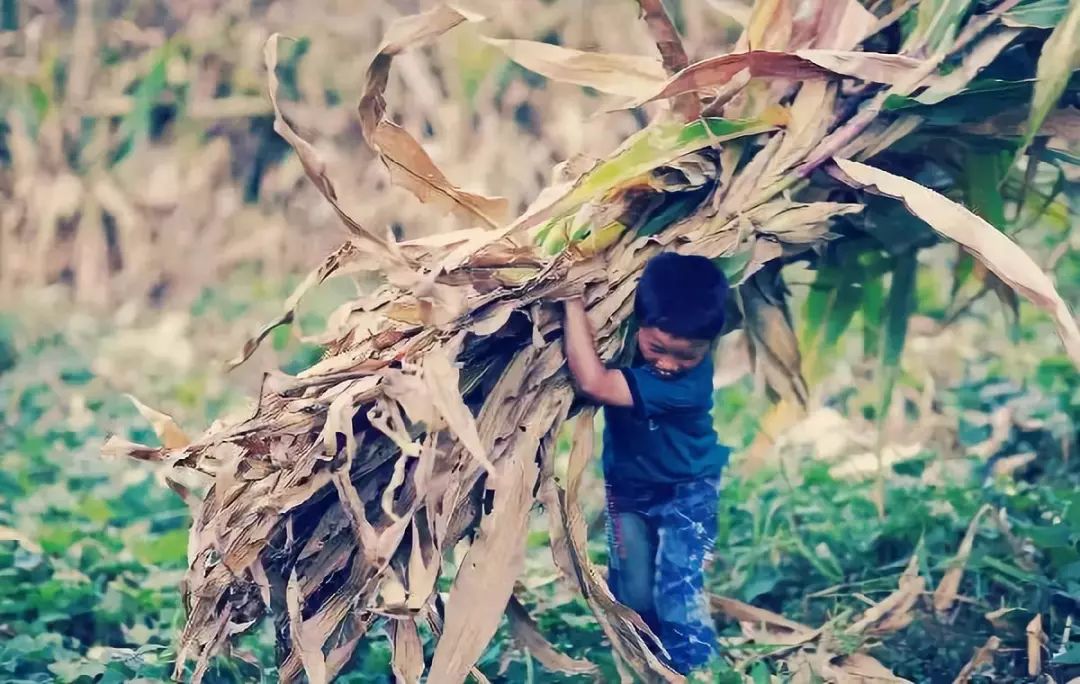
{"x": 629, "y": 75}
{"x": 372, "y": 245}
{"x": 341, "y": 258}
{"x": 800, "y": 65}
{"x": 991, "y": 247}
{"x": 528, "y": 636}
{"x": 982, "y": 658}
{"x": 893, "y": 613}
{"x": 166, "y": 429}
{"x": 672, "y": 52}
{"x": 408, "y": 163}
{"x": 310, "y": 647}
{"x": 947, "y": 589}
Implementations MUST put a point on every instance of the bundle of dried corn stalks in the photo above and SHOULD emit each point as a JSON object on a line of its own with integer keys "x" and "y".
{"x": 434, "y": 414}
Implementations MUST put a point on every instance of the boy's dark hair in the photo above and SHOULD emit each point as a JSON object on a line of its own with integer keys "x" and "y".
{"x": 683, "y": 295}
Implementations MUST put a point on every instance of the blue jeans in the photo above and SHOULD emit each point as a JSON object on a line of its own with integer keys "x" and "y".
{"x": 658, "y": 541}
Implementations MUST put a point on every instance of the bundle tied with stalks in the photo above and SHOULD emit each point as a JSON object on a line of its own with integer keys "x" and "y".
{"x": 433, "y": 416}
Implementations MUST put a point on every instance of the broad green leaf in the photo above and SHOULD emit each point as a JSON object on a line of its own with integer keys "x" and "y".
{"x": 898, "y": 308}
{"x": 996, "y": 251}
{"x": 1044, "y": 14}
{"x": 835, "y": 296}
{"x": 1059, "y": 59}
{"x": 873, "y": 302}
{"x": 979, "y": 99}
{"x": 648, "y": 149}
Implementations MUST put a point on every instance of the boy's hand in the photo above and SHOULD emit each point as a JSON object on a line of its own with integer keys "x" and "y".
{"x": 565, "y": 292}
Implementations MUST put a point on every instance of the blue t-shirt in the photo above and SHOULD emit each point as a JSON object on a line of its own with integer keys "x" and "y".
{"x": 667, "y": 436}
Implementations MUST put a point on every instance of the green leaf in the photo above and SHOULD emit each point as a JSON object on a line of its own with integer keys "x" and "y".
{"x": 1069, "y": 657}
{"x": 938, "y": 22}
{"x": 898, "y": 309}
{"x": 835, "y": 296}
{"x": 873, "y": 302}
{"x": 1059, "y": 59}
{"x": 651, "y": 148}
{"x": 760, "y": 673}
{"x": 984, "y": 172}
{"x": 136, "y": 124}
{"x": 1043, "y": 14}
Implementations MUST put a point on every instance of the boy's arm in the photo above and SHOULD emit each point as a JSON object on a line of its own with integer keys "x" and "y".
{"x": 593, "y": 379}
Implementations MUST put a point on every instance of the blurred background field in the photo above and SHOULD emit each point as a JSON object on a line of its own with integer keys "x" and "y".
{"x": 151, "y": 220}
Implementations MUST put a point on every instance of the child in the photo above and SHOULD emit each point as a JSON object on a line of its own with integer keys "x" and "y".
{"x": 661, "y": 458}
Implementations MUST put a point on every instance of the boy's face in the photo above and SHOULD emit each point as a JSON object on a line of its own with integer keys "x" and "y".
{"x": 670, "y": 355}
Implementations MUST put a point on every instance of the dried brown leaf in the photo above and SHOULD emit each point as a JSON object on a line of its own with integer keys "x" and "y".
{"x": 343, "y": 256}
{"x": 442, "y": 381}
{"x": 408, "y": 652}
{"x": 982, "y": 658}
{"x": 528, "y": 636}
{"x": 1035, "y": 639}
{"x": 492, "y": 565}
{"x": 671, "y": 50}
{"x": 166, "y": 429}
{"x": 373, "y": 246}
{"x": 894, "y": 612}
{"x": 799, "y": 65}
{"x": 408, "y": 163}
{"x": 617, "y": 74}
{"x": 990, "y": 246}
{"x": 307, "y": 642}
{"x": 773, "y": 344}
{"x": 947, "y": 589}
{"x": 860, "y": 668}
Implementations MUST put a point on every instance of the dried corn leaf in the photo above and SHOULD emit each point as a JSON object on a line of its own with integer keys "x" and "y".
{"x": 441, "y": 380}
{"x": 1035, "y": 638}
{"x": 628, "y": 75}
{"x": 308, "y": 643}
{"x": 799, "y": 65}
{"x": 773, "y": 344}
{"x": 893, "y": 613}
{"x": 408, "y": 163}
{"x": 991, "y": 247}
{"x": 490, "y": 568}
{"x": 374, "y": 247}
{"x": 671, "y": 50}
{"x": 528, "y": 636}
{"x": 408, "y": 652}
{"x": 341, "y": 258}
{"x": 860, "y": 668}
{"x": 166, "y": 429}
{"x": 947, "y": 589}
{"x": 980, "y": 660}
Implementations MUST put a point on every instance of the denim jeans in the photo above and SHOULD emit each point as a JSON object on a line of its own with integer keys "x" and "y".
{"x": 658, "y": 541}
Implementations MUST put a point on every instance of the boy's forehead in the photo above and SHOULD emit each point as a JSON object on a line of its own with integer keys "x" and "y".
{"x": 667, "y": 339}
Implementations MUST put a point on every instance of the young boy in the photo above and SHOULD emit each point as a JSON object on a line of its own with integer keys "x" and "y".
{"x": 661, "y": 458}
